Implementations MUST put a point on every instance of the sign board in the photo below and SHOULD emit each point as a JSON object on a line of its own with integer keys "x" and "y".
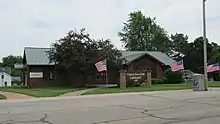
{"x": 135, "y": 76}
{"x": 36, "y": 74}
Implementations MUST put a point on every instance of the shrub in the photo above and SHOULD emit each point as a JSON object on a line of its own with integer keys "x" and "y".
{"x": 157, "y": 81}
{"x": 173, "y": 77}
{"x": 216, "y": 77}
{"x": 132, "y": 83}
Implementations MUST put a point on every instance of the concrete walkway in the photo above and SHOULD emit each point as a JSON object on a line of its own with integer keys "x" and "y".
{"x": 80, "y": 92}
{"x": 14, "y": 96}
{"x": 77, "y": 93}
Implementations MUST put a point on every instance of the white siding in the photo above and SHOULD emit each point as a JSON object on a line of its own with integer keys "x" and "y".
{"x": 6, "y": 80}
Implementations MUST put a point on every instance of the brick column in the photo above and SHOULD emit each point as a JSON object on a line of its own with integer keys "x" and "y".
{"x": 148, "y": 75}
{"x": 123, "y": 75}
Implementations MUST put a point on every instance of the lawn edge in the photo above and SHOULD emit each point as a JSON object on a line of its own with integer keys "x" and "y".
{"x": 133, "y": 91}
{"x": 42, "y": 96}
{"x": 3, "y": 97}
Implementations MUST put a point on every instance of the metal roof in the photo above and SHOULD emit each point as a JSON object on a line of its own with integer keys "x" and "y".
{"x": 133, "y": 55}
{"x": 37, "y": 56}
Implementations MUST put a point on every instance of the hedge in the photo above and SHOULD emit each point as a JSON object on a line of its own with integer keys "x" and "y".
{"x": 173, "y": 77}
{"x": 157, "y": 81}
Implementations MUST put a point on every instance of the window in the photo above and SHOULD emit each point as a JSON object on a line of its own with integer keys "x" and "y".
{"x": 2, "y": 76}
{"x": 101, "y": 76}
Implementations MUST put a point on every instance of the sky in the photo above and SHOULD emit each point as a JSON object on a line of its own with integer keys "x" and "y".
{"x": 38, "y": 23}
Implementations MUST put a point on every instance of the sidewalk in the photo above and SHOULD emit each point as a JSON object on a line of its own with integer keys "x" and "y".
{"x": 14, "y": 96}
{"x": 77, "y": 93}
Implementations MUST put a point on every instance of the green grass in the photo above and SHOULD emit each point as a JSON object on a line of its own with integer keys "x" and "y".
{"x": 214, "y": 84}
{"x": 2, "y": 97}
{"x": 40, "y": 92}
{"x": 158, "y": 87}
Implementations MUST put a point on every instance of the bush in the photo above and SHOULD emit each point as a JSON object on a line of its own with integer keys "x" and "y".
{"x": 216, "y": 77}
{"x": 132, "y": 83}
{"x": 173, "y": 77}
{"x": 157, "y": 81}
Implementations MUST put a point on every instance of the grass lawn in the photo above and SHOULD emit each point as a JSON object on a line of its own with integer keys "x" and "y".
{"x": 214, "y": 84}
{"x": 2, "y": 97}
{"x": 159, "y": 87}
{"x": 40, "y": 92}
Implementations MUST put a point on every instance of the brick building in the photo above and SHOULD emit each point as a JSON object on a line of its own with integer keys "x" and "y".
{"x": 155, "y": 61}
{"x": 39, "y": 71}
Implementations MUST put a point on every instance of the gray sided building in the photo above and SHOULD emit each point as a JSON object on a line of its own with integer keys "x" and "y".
{"x": 40, "y": 72}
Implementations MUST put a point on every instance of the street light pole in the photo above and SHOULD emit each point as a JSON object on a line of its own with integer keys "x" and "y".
{"x": 205, "y": 44}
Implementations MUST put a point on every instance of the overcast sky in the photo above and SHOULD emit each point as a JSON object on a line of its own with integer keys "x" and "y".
{"x": 40, "y": 22}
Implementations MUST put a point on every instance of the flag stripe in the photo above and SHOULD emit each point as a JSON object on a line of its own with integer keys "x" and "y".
{"x": 213, "y": 67}
{"x": 176, "y": 66}
{"x": 101, "y": 66}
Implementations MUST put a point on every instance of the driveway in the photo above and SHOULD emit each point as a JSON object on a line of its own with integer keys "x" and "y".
{"x": 170, "y": 107}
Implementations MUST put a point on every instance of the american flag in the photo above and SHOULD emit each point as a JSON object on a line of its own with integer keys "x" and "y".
{"x": 101, "y": 66}
{"x": 213, "y": 67}
{"x": 176, "y": 66}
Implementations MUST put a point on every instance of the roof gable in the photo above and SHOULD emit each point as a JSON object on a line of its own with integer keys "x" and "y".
{"x": 133, "y": 55}
{"x": 37, "y": 56}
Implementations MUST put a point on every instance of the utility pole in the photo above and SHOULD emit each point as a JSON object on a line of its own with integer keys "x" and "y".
{"x": 205, "y": 44}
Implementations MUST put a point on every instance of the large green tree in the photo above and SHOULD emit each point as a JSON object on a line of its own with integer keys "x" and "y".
{"x": 10, "y": 60}
{"x": 195, "y": 57}
{"x": 78, "y": 52}
{"x": 180, "y": 45}
{"x": 142, "y": 33}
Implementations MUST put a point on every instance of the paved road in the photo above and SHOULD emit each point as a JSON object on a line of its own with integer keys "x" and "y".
{"x": 173, "y": 107}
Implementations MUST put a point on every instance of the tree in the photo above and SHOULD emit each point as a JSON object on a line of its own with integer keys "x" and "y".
{"x": 215, "y": 53}
{"x": 180, "y": 45}
{"x": 141, "y": 33}
{"x": 78, "y": 52}
{"x": 194, "y": 59}
{"x": 9, "y": 61}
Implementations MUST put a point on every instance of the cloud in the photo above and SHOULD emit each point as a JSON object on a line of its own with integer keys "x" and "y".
{"x": 41, "y": 22}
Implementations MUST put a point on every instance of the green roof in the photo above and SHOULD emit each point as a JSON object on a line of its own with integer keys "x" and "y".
{"x": 37, "y": 56}
{"x": 133, "y": 55}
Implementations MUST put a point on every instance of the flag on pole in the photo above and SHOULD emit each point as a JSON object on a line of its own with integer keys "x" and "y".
{"x": 101, "y": 66}
{"x": 176, "y": 66}
{"x": 213, "y": 67}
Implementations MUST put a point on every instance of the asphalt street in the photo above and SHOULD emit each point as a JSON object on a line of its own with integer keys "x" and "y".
{"x": 171, "y": 107}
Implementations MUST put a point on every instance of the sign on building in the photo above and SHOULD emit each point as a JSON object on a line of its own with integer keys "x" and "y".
{"x": 36, "y": 74}
{"x": 135, "y": 76}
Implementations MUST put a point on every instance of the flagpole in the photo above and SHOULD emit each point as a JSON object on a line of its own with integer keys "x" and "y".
{"x": 106, "y": 74}
{"x": 205, "y": 44}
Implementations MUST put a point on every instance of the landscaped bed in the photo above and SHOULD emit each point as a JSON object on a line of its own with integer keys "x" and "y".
{"x": 40, "y": 92}
{"x": 2, "y": 97}
{"x": 158, "y": 87}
